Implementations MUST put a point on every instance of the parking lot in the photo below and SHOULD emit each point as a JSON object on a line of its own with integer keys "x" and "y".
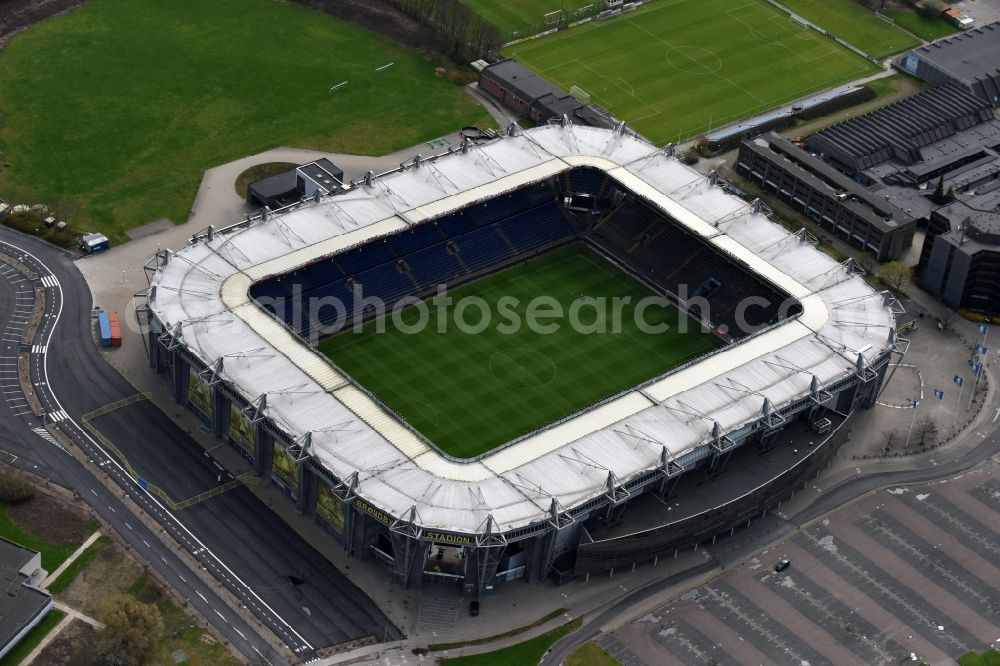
{"x": 905, "y": 575}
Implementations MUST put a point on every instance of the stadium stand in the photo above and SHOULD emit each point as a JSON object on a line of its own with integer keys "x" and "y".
{"x": 515, "y": 228}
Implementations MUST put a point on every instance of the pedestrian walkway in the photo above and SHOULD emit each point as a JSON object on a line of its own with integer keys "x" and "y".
{"x": 72, "y": 558}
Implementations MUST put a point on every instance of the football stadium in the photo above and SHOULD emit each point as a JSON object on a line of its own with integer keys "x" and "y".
{"x": 483, "y": 365}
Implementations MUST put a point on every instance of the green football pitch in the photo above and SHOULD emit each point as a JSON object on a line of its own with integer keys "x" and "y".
{"x": 675, "y": 68}
{"x": 469, "y": 392}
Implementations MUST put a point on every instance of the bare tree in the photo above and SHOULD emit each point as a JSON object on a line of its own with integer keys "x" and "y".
{"x": 890, "y": 436}
{"x": 927, "y": 429}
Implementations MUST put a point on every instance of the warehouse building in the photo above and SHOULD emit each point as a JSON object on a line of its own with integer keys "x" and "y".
{"x": 899, "y": 131}
{"x": 831, "y": 199}
{"x": 970, "y": 59}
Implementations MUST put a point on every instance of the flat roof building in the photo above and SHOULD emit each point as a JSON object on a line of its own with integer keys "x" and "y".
{"x": 898, "y": 131}
{"x": 290, "y": 186}
{"x": 25, "y": 602}
{"x": 832, "y": 200}
{"x": 970, "y": 59}
{"x": 524, "y": 92}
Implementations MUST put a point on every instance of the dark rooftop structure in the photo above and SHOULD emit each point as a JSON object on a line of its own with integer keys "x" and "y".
{"x": 290, "y": 186}
{"x": 24, "y": 604}
{"x": 970, "y": 59}
{"x": 834, "y": 201}
{"x": 524, "y": 92}
{"x": 898, "y": 131}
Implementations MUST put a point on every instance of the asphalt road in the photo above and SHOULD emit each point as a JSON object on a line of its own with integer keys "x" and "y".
{"x": 281, "y": 579}
{"x": 831, "y": 500}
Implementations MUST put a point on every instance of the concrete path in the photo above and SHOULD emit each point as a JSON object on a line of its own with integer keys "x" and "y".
{"x": 71, "y": 614}
{"x": 69, "y": 560}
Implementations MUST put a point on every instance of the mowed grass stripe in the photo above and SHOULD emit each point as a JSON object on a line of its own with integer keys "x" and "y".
{"x": 674, "y": 69}
{"x": 469, "y": 393}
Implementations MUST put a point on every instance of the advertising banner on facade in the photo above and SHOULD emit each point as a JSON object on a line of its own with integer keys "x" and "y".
{"x": 285, "y": 467}
{"x": 199, "y": 392}
{"x": 241, "y": 430}
{"x": 330, "y": 507}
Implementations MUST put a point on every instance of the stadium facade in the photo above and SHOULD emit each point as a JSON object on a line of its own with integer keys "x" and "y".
{"x": 819, "y": 340}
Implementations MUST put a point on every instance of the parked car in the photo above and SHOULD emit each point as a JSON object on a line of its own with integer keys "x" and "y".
{"x": 782, "y": 565}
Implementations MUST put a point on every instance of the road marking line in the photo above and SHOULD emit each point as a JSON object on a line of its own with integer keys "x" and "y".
{"x": 201, "y": 595}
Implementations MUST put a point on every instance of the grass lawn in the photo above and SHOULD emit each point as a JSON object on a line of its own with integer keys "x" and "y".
{"x": 469, "y": 392}
{"x": 673, "y": 73}
{"x": 34, "y": 637}
{"x": 511, "y": 15}
{"x": 988, "y": 658}
{"x": 259, "y": 171}
{"x": 850, "y": 21}
{"x": 70, "y": 573}
{"x": 924, "y": 27}
{"x": 591, "y": 654}
{"x": 527, "y": 653}
{"x": 52, "y": 555}
{"x": 141, "y": 96}
{"x": 180, "y": 631}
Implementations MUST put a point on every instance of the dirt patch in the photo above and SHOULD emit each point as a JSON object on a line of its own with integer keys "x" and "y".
{"x": 109, "y": 574}
{"x": 379, "y": 17}
{"x": 73, "y": 645}
{"x": 16, "y": 15}
{"x": 54, "y": 521}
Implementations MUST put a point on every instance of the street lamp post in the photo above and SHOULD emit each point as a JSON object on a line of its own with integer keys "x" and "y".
{"x": 913, "y": 417}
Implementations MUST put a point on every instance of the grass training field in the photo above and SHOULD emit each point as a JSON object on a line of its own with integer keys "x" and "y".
{"x": 116, "y": 109}
{"x": 469, "y": 393}
{"x": 924, "y": 27}
{"x": 858, "y": 25}
{"x": 674, "y": 68}
{"x": 509, "y": 15}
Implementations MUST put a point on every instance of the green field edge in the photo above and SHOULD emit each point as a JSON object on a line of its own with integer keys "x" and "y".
{"x": 437, "y": 647}
{"x": 33, "y": 638}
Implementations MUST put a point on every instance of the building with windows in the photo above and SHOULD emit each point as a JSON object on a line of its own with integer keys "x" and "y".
{"x": 834, "y": 201}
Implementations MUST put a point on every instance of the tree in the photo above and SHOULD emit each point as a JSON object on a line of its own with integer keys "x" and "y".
{"x": 133, "y": 630}
{"x": 896, "y": 275}
{"x": 938, "y": 195}
{"x": 889, "y": 435}
{"x": 926, "y": 429}
{"x": 950, "y": 194}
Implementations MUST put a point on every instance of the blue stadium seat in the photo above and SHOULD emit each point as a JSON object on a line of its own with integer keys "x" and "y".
{"x": 416, "y": 238}
{"x": 538, "y": 227}
{"x": 482, "y": 248}
{"x": 366, "y": 256}
{"x": 433, "y": 266}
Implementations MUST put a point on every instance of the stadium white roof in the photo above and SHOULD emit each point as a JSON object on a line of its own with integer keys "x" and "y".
{"x": 204, "y": 288}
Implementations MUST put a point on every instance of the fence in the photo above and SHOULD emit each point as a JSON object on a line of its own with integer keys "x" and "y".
{"x": 109, "y": 446}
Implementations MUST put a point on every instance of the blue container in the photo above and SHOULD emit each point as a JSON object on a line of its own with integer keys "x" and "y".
{"x": 105, "y": 327}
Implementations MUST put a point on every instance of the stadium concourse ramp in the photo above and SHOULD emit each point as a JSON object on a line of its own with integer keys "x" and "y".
{"x": 378, "y": 486}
